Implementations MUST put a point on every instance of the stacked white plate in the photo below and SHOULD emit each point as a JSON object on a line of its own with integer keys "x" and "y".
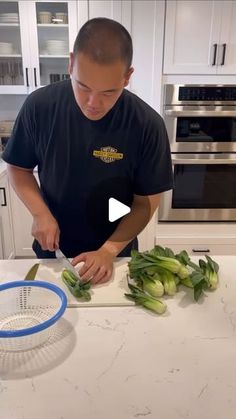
{"x": 9, "y": 18}
{"x": 6, "y": 48}
{"x": 56, "y": 47}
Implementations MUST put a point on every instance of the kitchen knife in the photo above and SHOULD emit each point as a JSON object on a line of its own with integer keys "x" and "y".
{"x": 30, "y": 276}
{"x": 66, "y": 263}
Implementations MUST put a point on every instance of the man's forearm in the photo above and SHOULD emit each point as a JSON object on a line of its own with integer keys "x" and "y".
{"x": 130, "y": 226}
{"x": 27, "y": 189}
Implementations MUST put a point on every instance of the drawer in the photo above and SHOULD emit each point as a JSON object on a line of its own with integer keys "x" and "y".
{"x": 200, "y": 249}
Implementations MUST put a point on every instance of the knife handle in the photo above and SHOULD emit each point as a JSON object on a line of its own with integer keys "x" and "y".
{"x": 30, "y": 276}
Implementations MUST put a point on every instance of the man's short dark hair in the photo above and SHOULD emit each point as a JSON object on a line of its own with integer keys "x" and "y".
{"x": 104, "y": 41}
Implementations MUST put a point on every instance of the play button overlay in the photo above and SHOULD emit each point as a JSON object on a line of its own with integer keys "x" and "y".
{"x": 108, "y": 202}
{"x": 117, "y": 209}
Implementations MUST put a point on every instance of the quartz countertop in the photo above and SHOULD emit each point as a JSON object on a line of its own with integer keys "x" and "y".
{"x": 109, "y": 294}
{"x": 125, "y": 362}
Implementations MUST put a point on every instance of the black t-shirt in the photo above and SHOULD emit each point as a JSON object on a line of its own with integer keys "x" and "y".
{"x": 81, "y": 163}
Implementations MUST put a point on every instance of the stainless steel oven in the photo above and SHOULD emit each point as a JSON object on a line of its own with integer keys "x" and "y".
{"x": 204, "y": 189}
{"x": 201, "y": 118}
{"x": 201, "y": 124}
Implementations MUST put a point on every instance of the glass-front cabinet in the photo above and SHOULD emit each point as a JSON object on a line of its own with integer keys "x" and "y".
{"x": 36, "y": 38}
{"x": 11, "y": 53}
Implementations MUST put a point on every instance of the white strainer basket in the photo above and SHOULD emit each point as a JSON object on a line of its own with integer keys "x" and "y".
{"x": 28, "y": 312}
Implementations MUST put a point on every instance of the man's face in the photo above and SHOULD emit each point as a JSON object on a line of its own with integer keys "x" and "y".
{"x": 97, "y": 87}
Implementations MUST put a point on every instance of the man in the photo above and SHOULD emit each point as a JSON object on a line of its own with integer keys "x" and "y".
{"x": 91, "y": 140}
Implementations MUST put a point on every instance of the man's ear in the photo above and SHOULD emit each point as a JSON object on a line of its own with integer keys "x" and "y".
{"x": 71, "y": 63}
{"x": 128, "y": 75}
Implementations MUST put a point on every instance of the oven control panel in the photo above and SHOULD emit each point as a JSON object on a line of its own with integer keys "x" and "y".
{"x": 207, "y": 93}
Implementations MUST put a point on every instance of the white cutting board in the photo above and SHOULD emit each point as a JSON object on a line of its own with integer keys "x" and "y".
{"x": 109, "y": 294}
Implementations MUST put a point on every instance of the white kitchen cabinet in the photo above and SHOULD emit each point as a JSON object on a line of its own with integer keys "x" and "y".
{"x": 110, "y": 9}
{"x": 144, "y": 20}
{"x": 200, "y": 37}
{"x": 198, "y": 238}
{"x": 36, "y": 38}
{"x": 6, "y": 233}
{"x": 228, "y": 38}
{"x": 22, "y": 224}
{"x": 198, "y": 247}
{"x": 119, "y": 10}
{"x": 14, "y": 47}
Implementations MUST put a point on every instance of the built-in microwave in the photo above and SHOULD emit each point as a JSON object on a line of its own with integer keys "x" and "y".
{"x": 200, "y": 118}
{"x": 201, "y": 125}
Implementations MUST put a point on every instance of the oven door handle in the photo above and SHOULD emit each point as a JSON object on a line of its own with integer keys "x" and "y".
{"x": 202, "y": 113}
{"x": 201, "y": 160}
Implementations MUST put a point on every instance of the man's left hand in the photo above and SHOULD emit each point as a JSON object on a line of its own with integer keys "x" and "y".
{"x": 98, "y": 265}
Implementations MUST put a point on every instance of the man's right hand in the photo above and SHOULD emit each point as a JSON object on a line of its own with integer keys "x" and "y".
{"x": 46, "y": 231}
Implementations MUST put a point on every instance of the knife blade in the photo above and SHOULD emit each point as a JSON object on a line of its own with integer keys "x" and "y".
{"x": 66, "y": 263}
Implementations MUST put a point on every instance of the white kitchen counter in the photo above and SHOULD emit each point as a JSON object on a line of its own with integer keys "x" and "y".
{"x": 109, "y": 294}
{"x": 123, "y": 363}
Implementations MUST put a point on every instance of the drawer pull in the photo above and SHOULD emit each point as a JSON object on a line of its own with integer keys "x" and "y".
{"x": 27, "y": 77}
{"x": 223, "y": 54}
{"x": 4, "y": 197}
{"x": 214, "y": 54}
{"x": 201, "y": 250}
{"x": 35, "y": 78}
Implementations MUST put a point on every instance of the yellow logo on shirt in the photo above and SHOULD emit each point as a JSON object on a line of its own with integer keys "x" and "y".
{"x": 108, "y": 154}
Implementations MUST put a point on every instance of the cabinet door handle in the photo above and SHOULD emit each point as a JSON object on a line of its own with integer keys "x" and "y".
{"x": 4, "y": 197}
{"x": 201, "y": 250}
{"x": 27, "y": 76}
{"x": 35, "y": 77}
{"x": 214, "y": 54}
{"x": 223, "y": 54}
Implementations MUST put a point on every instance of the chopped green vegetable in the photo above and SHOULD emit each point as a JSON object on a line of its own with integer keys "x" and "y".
{"x": 78, "y": 289}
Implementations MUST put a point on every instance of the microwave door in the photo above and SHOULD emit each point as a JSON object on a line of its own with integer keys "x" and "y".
{"x": 201, "y": 130}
